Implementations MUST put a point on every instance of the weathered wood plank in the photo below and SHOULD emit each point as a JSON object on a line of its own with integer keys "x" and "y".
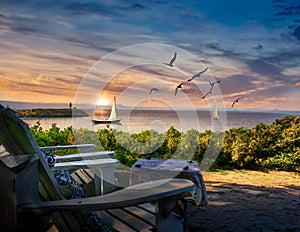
{"x": 114, "y": 222}
{"x": 128, "y": 220}
{"x": 147, "y": 207}
{"x": 83, "y": 176}
{"x": 133, "y": 195}
{"x": 141, "y": 214}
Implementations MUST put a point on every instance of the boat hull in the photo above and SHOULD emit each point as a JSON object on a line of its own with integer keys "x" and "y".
{"x": 108, "y": 121}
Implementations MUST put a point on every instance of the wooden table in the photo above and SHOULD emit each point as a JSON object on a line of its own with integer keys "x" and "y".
{"x": 149, "y": 169}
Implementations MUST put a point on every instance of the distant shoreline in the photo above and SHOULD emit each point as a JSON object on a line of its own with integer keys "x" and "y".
{"x": 51, "y": 113}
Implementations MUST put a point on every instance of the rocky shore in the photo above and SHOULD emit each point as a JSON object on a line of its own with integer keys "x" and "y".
{"x": 50, "y": 113}
{"x": 248, "y": 201}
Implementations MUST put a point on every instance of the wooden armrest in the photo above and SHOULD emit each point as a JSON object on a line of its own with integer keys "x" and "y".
{"x": 133, "y": 195}
{"x": 83, "y": 164}
{"x": 82, "y": 147}
{"x": 84, "y": 156}
{"x": 17, "y": 163}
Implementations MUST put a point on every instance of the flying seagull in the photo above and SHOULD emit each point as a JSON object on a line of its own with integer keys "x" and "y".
{"x": 209, "y": 92}
{"x": 178, "y": 87}
{"x": 197, "y": 75}
{"x": 172, "y": 60}
{"x": 236, "y": 100}
{"x": 212, "y": 84}
{"x": 153, "y": 89}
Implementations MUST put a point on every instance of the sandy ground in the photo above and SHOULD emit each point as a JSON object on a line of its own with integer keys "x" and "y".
{"x": 248, "y": 201}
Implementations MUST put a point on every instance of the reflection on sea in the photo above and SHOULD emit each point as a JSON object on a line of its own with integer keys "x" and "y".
{"x": 160, "y": 120}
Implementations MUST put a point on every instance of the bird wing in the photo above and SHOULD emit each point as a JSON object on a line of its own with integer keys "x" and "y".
{"x": 176, "y": 90}
{"x": 153, "y": 90}
{"x": 233, "y": 104}
{"x": 202, "y": 71}
{"x": 192, "y": 78}
{"x": 205, "y": 95}
{"x": 174, "y": 58}
{"x": 236, "y": 100}
{"x": 197, "y": 75}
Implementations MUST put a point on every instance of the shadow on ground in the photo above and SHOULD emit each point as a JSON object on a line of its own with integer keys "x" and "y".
{"x": 236, "y": 207}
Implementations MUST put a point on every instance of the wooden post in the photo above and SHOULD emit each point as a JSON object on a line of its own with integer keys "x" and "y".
{"x": 165, "y": 220}
{"x": 20, "y": 188}
{"x": 8, "y": 205}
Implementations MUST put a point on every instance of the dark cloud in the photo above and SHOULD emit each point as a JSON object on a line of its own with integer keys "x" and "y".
{"x": 236, "y": 83}
{"x": 297, "y": 33}
{"x": 262, "y": 67}
{"x": 258, "y": 47}
{"x": 226, "y": 52}
{"x": 29, "y": 24}
{"x": 153, "y": 70}
{"x": 137, "y": 6}
{"x": 274, "y": 91}
{"x": 87, "y": 8}
{"x": 161, "y": 2}
{"x": 24, "y": 29}
{"x": 287, "y": 8}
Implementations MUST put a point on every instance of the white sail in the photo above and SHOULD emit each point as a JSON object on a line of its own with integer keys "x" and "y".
{"x": 215, "y": 111}
{"x": 112, "y": 117}
{"x": 113, "y": 112}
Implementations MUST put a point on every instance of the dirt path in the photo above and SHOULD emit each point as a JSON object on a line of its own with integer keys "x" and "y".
{"x": 248, "y": 201}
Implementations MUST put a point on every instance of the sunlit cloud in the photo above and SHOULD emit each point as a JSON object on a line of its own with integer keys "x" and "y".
{"x": 50, "y": 48}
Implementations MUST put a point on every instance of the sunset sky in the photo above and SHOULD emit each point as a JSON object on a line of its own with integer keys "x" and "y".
{"x": 51, "y": 47}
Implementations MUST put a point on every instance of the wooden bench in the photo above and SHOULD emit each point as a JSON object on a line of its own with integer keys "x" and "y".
{"x": 100, "y": 165}
{"x": 32, "y": 199}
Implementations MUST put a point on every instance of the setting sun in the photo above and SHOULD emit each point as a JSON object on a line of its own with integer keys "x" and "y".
{"x": 103, "y": 102}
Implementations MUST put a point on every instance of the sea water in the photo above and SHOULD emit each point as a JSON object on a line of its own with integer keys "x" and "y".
{"x": 162, "y": 120}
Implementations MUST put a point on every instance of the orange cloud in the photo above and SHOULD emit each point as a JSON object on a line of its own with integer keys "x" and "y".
{"x": 297, "y": 84}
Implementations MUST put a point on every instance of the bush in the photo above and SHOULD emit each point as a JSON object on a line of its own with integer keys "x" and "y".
{"x": 275, "y": 146}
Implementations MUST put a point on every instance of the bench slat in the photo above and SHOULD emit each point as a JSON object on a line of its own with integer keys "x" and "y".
{"x": 96, "y": 163}
{"x": 84, "y": 156}
{"x": 69, "y": 147}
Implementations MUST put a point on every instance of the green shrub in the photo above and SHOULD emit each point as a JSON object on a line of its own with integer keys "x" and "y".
{"x": 275, "y": 146}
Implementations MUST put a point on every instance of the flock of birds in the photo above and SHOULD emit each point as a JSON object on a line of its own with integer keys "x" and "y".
{"x": 179, "y": 86}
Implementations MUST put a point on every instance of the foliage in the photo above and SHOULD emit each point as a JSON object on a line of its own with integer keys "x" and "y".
{"x": 275, "y": 146}
{"x": 52, "y": 137}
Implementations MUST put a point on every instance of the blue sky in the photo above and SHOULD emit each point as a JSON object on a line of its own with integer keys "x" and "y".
{"x": 253, "y": 47}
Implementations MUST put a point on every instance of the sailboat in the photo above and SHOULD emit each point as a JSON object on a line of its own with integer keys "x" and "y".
{"x": 112, "y": 118}
{"x": 215, "y": 111}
